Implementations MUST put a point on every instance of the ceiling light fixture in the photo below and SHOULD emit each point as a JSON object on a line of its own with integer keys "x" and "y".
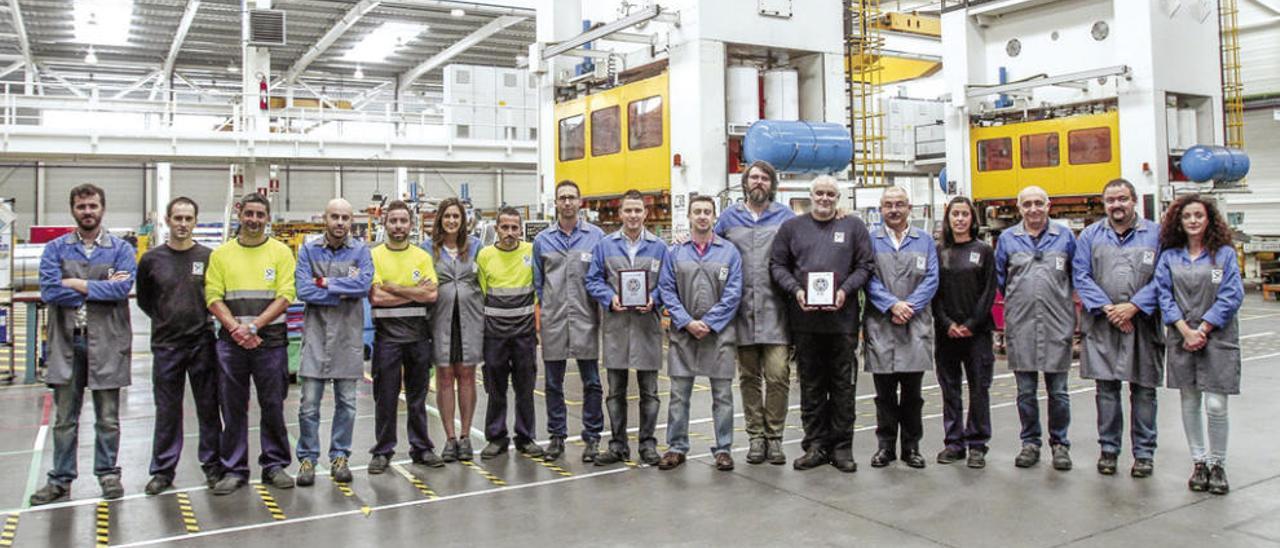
{"x": 103, "y": 22}
{"x": 91, "y": 58}
{"x": 233, "y": 68}
{"x": 457, "y": 12}
{"x": 359, "y": 73}
{"x": 383, "y": 41}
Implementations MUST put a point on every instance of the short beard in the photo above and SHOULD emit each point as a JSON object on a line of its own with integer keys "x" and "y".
{"x": 768, "y": 197}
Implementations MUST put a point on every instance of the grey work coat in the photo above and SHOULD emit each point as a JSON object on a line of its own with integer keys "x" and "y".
{"x": 109, "y": 332}
{"x": 333, "y": 323}
{"x": 1216, "y": 367}
{"x": 900, "y": 275}
{"x": 1039, "y": 313}
{"x": 706, "y": 288}
{"x": 570, "y": 318}
{"x": 459, "y": 285}
{"x": 1121, "y": 273}
{"x": 762, "y": 315}
{"x": 632, "y": 339}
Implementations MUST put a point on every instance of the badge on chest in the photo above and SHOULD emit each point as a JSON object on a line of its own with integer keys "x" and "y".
{"x": 1215, "y": 275}
{"x": 417, "y": 275}
{"x": 838, "y": 237}
{"x": 1060, "y": 263}
{"x": 921, "y": 262}
{"x": 724, "y": 273}
{"x": 269, "y": 275}
{"x": 1148, "y": 258}
{"x": 197, "y": 269}
{"x": 975, "y": 257}
{"x": 353, "y": 272}
{"x": 585, "y": 257}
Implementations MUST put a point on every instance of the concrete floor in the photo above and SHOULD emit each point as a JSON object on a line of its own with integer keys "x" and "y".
{"x": 517, "y": 499}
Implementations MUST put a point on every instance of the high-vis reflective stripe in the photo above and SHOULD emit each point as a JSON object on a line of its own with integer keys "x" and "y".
{"x": 409, "y": 312}
{"x": 249, "y": 294}
{"x": 508, "y": 312}
{"x": 247, "y": 319}
{"x": 511, "y": 291}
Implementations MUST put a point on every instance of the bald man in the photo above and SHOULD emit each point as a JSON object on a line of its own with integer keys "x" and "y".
{"x": 333, "y": 274}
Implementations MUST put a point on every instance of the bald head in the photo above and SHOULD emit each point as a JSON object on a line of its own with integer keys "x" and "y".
{"x": 1033, "y": 191}
{"x": 1033, "y": 205}
{"x": 337, "y": 221}
{"x": 338, "y": 204}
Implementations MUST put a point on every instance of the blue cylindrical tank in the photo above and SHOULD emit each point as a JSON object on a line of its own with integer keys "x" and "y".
{"x": 1202, "y": 163}
{"x": 799, "y": 147}
{"x": 942, "y": 179}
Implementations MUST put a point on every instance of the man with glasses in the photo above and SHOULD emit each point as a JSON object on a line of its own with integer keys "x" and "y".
{"x": 1114, "y": 270}
{"x": 1033, "y": 269}
{"x": 570, "y": 319}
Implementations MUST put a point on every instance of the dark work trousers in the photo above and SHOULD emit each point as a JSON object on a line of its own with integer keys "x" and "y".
{"x": 557, "y": 415}
{"x": 394, "y": 363}
{"x": 512, "y": 359}
{"x": 896, "y": 411}
{"x": 647, "y": 382}
{"x": 969, "y": 359}
{"x": 268, "y": 368}
{"x": 170, "y": 370}
{"x": 826, "y": 364}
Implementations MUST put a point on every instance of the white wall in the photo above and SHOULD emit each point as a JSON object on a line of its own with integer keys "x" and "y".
{"x": 18, "y": 181}
{"x": 1261, "y": 206}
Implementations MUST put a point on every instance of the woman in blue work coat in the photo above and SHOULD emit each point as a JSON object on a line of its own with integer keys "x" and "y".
{"x": 1200, "y": 292}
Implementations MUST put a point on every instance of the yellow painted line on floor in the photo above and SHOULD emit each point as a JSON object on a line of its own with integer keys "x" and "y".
{"x": 188, "y": 513}
{"x": 345, "y": 489}
{"x": 103, "y": 524}
{"x": 551, "y": 466}
{"x": 10, "y": 530}
{"x": 418, "y": 484}
{"x": 269, "y": 502}
{"x": 484, "y": 473}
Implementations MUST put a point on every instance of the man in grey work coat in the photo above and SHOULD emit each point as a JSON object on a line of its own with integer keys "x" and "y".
{"x": 1033, "y": 269}
{"x": 333, "y": 276}
{"x": 570, "y": 319}
{"x": 1114, "y": 272}
{"x": 85, "y": 278}
{"x": 761, "y": 326}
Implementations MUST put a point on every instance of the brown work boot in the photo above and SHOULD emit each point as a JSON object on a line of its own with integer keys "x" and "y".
{"x": 671, "y": 460}
{"x": 724, "y": 462}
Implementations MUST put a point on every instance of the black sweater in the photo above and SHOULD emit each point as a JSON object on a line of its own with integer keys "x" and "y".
{"x": 171, "y": 293}
{"x": 966, "y": 287}
{"x": 804, "y": 245}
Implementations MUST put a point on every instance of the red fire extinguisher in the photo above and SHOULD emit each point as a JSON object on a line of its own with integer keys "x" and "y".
{"x": 262, "y": 94}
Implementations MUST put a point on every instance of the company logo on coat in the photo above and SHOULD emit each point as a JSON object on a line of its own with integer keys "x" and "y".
{"x": 586, "y": 257}
{"x": 417, "y": 275}
{"x": 528, "y": 260}
{"x": 1148, "y": 257}
{"x": 353, "y": 272}
{"x": 269, "y": 275}
{"x": 1216, "y": 275}
{"x": 921, "y": 262}
{"x": 838, "y": 237}
{"x": 1060, "y": 263}
{"x": 724, "y": 273}
{"x": 197, "y": 269}
{"x": 975, "y": 257}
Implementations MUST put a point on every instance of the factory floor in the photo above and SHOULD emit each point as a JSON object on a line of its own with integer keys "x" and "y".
{"x": 517, "y": 500}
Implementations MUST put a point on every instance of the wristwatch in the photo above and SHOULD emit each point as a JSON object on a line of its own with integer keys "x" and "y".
{"x": 253, "y": 329}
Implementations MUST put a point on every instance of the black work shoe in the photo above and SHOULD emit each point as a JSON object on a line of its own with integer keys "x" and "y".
{"x": 589, "y": 450}
{"x": 339, "y": 470}
{"x": 159, "y": 483}
{"x": 492, "y": 450}
{"x": 978, "y": 458}
{"x": 228, "y": 484}
{"x": 757, "y": 451}
{"x": 1142, "y": 468}
{"x": 465, "y": 453}
{"x": 278, "y": 478}
{"x": 212, "y": 476}
{"x": 554, "y": 449}
{"x": 1218, "y": 480}
{"x": 1199, "y": 481}
{"x": 844, "y": 462}
{"x": 450, "y": 451}
{"x": 913, "y": 458}
{"x": 1107, "y": 464}
{"x": 377, "y": 465}
{"x": 812, "y": 458}
{"x": 50, "y": 493}
{"x": 776, "y": 456}
{"x": 1028, "y": 456}
{"x": 649, "y": 455}
{"x": 605, "y": 458}
{"x": 882, "y": 458}
{"x": 306, "y": 473}
{"x": 950, "y": 455}
{"x": 1061, "y": 458}
{"x": 111, "y": 487}
{"x": 428, "y": 459}
{"x": 533, "y": 450}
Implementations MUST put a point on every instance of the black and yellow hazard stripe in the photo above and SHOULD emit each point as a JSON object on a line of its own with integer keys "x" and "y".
{"x": 10, "y": 530}
{"x": 188, "y": 513}
{"x": 551, "y": 466}
{"x": 269, "y": 502}
{"x": 485, "y": 473}
{"x": 103, "y": 524}
{"x": 418, "y": 484}
{"x": 345, "y": 489}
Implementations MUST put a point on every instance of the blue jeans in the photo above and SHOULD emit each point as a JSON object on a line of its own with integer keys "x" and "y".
{"x": 68, "y": 399}
{"x": 1029, "y": 407}
{"x": 721, "y": 411}
{"x": 344, "y": 418}
{"x": 1142, "y": 423}
{"x": 592, "y": 394}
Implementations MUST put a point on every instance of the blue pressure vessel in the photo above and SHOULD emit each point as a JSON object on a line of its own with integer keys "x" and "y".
{"x": 942, "y": 179}
{"x": 799, "y": 147}
{"x": 1202, "y": 163}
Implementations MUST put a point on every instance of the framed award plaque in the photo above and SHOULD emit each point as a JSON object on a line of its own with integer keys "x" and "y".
{"x": 820, "y": 289}
{"x": 633, "y": 288}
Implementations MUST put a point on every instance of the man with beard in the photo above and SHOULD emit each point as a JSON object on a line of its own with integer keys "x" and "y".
{"x": 1114, "y": 271}
{"x": 510, "y": 341}
{"x": 701, "y": 284}
{"x": 899, "y": 328}
{"x": 1033, "y": 269}
{"x": 85, "y": 278}
{"x": 248, "y": 287}
{"x": 826, "y": 336}
{"x": 570, "y": 319}
{"x": 761, "y": 326}
{"x": 404, "y": 286}
{"x": 333, "y": 276}
{"x": 171, "y": 292}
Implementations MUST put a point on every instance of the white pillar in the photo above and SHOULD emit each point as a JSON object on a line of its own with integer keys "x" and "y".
{"x": 557, "y": 20}
{"x": 697, "y": 70}
{"x": 402, "y": 183}
{"x": 337, "y": 182}
{"x": 42, "y": 184}
{"x": 162, "y": 191}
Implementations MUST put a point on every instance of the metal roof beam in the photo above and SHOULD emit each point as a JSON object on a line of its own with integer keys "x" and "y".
{"x": 184, "y": 26}
{"x": 20, "y": 28}
{"x": 493, "y": 27}
{"x": 136, "y": 85}
{"x": 348, "y": 20}
{"x": 603, "y": 31}
{"x": 12, "y": 68}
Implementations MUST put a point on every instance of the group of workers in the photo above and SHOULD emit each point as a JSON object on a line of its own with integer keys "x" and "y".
{"x": 739, "y": 290}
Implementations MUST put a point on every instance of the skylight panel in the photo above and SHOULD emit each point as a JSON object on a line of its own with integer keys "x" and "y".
{"x": 376, "y": 46}
{"x": 103, "y": 22}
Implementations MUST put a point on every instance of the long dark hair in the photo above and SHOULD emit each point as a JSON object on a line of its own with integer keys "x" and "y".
{"x": 437, "y": 229}
{"x": 948, "y": 237}
{"x": 1216, "y": 231}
